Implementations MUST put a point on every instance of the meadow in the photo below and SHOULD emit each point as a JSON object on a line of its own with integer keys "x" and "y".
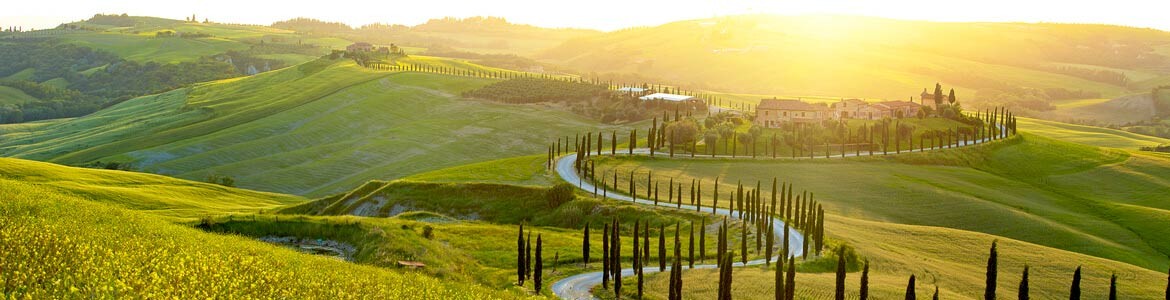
{"x": 74, "y": 247}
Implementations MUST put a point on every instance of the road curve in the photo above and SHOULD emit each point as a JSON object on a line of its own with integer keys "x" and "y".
{"x": 578, "y": 286}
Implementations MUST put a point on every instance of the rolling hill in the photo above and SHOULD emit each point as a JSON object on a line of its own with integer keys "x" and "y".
{"x": 841, "y": 56}
{"x": 101, "y": 235}
{"x": 316, "y": 129}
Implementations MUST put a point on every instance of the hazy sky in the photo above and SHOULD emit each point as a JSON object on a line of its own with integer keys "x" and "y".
{"x": 597, "y": 14}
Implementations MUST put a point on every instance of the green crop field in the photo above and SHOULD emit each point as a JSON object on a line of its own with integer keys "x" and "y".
{"x": 315, "y": 129}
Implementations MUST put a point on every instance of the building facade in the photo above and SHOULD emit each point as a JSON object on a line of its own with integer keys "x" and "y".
{"x": 771, "y": 113}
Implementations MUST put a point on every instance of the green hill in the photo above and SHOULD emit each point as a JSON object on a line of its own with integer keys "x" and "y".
{"x": 86, "y": 245}
{"x": 136, "y": 38}
{"x": 157, "y": 194}
{"x": 13, "y": 96}
{"x": 315, "y": 129}
{"x": 840, "y": 56}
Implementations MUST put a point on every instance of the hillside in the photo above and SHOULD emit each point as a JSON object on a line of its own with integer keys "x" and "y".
{"x": 93, "y": 248}
{"x": 838, "y": 56}
{"x": 315, "y": 129}
{"x": 1095, "y": 201}
{"x": 158, "y": 194}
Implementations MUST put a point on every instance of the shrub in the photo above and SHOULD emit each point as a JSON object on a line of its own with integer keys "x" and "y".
{"x": 559, "y": 194}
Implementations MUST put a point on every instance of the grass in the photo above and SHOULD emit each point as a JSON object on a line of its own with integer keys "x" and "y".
{"x": 13, "y": 96}
{"x": 523, "y": 170}
{"x": 1056, "y": 194}
{"x": 953, "y": 260}
{"x": 1089, "y": 135}
{"x": 88, "y": 249}
{"x": 315, "y": 129}
{"x": 159, "y": 194}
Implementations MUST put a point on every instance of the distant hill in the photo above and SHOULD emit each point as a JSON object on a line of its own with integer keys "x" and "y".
{"x": 487, "y": 35}
{"x": 837, "y": 56}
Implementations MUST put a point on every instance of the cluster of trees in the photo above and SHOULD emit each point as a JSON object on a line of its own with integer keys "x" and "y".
{"x": 122, "y": 20}
{"x": 52, "y": 103}
{"x": 118, "y": 80}
{"x": 535, "y": 90}
{"x": 1098, "y": 75}
{"x": 503, "y": 61}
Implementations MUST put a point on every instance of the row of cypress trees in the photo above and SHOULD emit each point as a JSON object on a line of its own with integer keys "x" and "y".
{"x": 991, "y": 277}
{"x": 524, "y": 263}
{"x": 1000, "y": 123}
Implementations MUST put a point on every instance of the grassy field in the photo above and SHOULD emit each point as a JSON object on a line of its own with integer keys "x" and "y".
{"x": 158, "y": 194}
{"x": 87, "y": 248}
{"x": 315, "y": 129}
{"x": 1089, "y": 135}
{"x": 138, "y": 43}
{"x": 1050, "y": 191}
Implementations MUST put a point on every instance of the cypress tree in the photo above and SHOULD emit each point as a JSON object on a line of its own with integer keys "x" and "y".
{"x": 935, "y": 297}
{"x": 536, "y": 277}
{"x": 520, "y": 256}
{"x": 617, "y": 258}
{"x": 770, "y": 241}
{"x": 1113, "y": 287}
{"x": 784, "y": 249}
{"x": 605, "y": 258}
{"x": 779, "y": 278}
{"x": 703, "y": 240}
{"x": 613, "y": 143}
{"x": 864, "y": 292}
{"x": 637, "y": 262}
{"x": 840, "y": 292}
{"x": 790, "y": 280}
{"x": 691, "y": 248}
{"x": 585, "y": 247}
{"x": 1074, "y": 292}
{"x": 910, "y": 289}
{"x": 715, "y": 195}
{"x": 743, "y": 241}
{"x": 992, "y": 273}
{"x": 661, "y": 248}
{"x": 645, "y": 243}
{"x": 528, "y": 256}
{"x": 1023, "y": 291}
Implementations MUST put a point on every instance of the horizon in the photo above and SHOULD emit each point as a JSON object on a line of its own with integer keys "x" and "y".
{"x": 604, "y": 15}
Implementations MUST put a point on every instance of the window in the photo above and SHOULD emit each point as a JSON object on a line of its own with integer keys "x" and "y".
{"x": 785, "y": 114}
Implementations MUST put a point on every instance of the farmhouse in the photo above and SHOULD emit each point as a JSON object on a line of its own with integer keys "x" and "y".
{"x": 927, "y": 99}
{"x": 898, "y": 109}
{"x": 360, "y": 47}
{"x": 773, "y": 112}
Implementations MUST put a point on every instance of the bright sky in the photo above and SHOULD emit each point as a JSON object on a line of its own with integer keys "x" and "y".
{"x": 597, "y": 14}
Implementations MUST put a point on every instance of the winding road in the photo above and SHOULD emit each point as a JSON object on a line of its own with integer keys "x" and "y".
{"x": 577, "y": 287}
